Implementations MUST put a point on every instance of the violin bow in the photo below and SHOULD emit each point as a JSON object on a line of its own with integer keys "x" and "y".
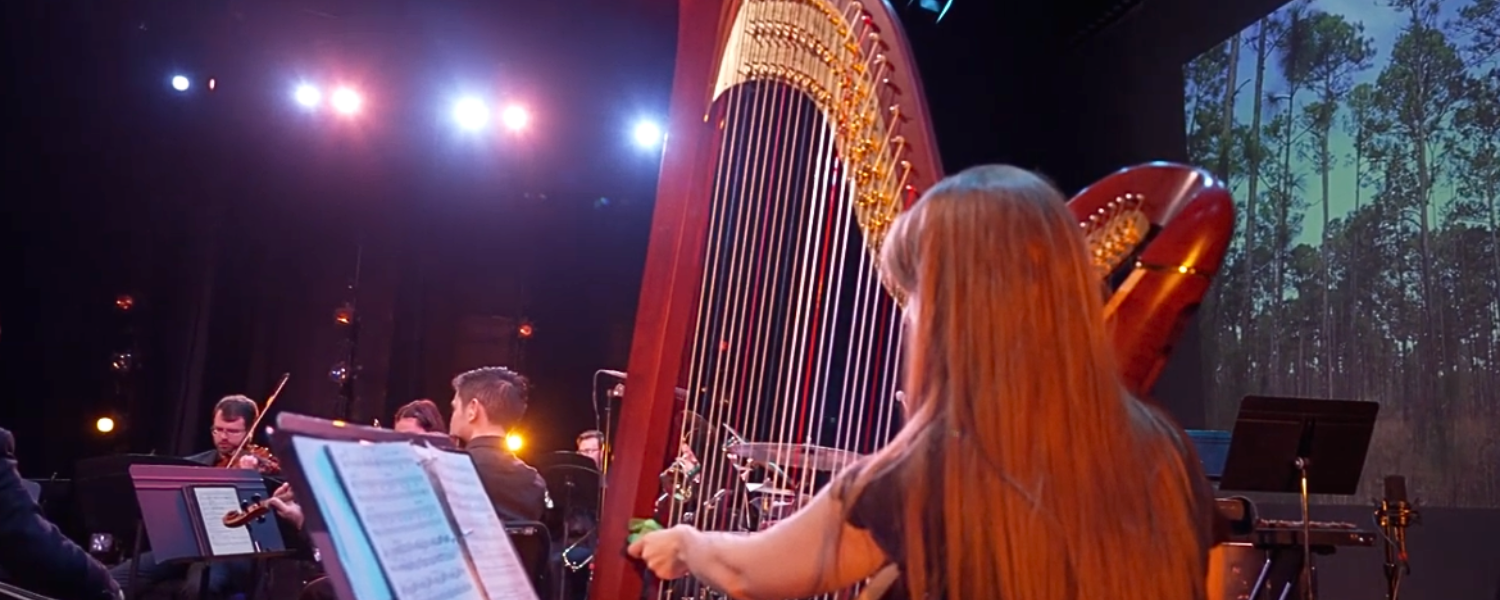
{"x": 250, "y": 434}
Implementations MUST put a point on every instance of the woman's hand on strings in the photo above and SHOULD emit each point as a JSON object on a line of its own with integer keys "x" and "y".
{"x": 665, "y": 551}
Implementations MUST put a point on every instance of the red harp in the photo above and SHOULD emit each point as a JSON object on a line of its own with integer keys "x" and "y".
{"x": 797, "y": 133}
{"x": 1158, "y": 233}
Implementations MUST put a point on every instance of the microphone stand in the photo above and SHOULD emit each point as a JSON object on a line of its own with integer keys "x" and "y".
{"x": 346, "y": 391}
{"x": 604, "y": 427}
{"x": 1394, "y": 516}
{"x": 1302, "y": 464}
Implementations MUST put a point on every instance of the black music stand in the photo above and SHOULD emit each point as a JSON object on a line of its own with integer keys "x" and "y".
{"x": 11, "y": 591}
{"x": 105, "y": 495}
{"x": 1213, "y": 450}
{"x": 182, "y": 524}
{"x": 1299, "y": 446}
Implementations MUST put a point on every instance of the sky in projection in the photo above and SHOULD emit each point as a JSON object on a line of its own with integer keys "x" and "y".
{"x": 1382, "y": 25}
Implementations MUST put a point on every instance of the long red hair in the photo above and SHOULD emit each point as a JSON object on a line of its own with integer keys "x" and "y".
{"x": 1026, "y": 472}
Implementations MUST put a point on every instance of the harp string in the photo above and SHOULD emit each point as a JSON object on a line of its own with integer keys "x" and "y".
{"x": 794, "y": 340}
{"x": 783, "y": 206}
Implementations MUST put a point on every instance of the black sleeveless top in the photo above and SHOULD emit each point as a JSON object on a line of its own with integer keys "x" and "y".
{"x": 879, "y": 511}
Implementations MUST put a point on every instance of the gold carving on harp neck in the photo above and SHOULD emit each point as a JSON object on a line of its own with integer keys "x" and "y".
{"x": 836, "y": 57}
{"x": 1115, "y": 230}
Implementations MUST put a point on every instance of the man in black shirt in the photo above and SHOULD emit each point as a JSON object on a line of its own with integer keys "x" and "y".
{"x": 486, "y": 403}
{"x": 33, "y": 552}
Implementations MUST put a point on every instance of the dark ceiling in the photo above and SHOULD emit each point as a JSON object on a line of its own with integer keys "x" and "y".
{"x": 1078, "y": 20}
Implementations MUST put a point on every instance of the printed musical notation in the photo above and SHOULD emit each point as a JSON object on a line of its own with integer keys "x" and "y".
{"x": 405, "y": 522}
{"x": 213, "y": 504}
{"x": 495, "y": 559}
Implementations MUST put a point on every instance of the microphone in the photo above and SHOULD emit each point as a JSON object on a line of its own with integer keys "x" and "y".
{"x": 616, "y": 392}
{"x": 1394, "y": 515}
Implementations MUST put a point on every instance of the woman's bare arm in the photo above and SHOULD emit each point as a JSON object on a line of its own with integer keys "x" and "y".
{"x": 813, "y": 552}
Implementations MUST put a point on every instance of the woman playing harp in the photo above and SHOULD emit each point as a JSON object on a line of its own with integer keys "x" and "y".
{"x": 798, "y": 131}
{"x": 1024, "y": 470}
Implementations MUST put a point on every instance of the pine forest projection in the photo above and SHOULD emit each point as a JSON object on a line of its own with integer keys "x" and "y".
{"x": 1360, "y": 138}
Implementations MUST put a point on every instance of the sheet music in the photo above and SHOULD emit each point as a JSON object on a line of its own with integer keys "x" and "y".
{"x": 351, "y": 549}
{"x": 495, "y": 559}
{"x": 405, "y": 522}
{"x": 213, "y": 504}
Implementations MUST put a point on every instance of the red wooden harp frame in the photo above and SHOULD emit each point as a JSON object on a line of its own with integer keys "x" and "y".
{"x": 840, "y": 74}
{"x": 1158, "y": 233}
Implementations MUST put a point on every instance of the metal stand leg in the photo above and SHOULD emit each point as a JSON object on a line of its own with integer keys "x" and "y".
{"x": 1307, "y": 567}
{"x": 135, "y": 560}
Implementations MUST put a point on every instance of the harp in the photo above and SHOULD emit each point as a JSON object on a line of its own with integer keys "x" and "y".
{"x": 1158, "y": 233}
{"x": 797, "y": 132}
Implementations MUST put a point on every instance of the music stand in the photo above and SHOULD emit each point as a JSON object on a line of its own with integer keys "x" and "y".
{"x": 1213, "y": 450}
{"x": 105, "y": 495}
{"x": 1303, "y": 446}
{"x": 182, "y": 512}
{"x": 284, "y": 442}
{"x": 18, "y": 593}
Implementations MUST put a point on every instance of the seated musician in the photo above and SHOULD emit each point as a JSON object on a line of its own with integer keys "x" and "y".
{"x": 420, "y": 416}
{"x": 579, "y": 529}
{"x": 486, "y": 403}
{"x": 233, "y": 417}
{"x": 34, "y": 554}
{"x": 591, "y": 444}
{"x": 1023, "y": 469}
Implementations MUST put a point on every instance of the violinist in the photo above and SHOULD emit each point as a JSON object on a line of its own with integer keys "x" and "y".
{"x": 232, "y": 421}
{"x": 233, "y": 417}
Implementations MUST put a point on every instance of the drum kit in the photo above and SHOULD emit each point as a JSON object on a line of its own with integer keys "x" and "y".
{"x": 758, "y": 488}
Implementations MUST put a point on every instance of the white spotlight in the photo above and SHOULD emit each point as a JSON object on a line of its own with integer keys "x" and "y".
{"x": 180, "y": 83}
{"x": 471, "y": 114}
{"x": 346, "y": 101}
{"x": 308, "y": 95}
{"x": 515, "y": 117}
{"x": 648, "y": 134}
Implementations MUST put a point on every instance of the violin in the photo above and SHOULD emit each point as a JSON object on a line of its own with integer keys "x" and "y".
{"x": 265, "y": 462}
{"x": 252, "y": 511}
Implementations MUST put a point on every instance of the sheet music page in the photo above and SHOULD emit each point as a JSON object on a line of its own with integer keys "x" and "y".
{"x": 351, "y": 549}
{"x": 495, "y": 559}
{"x": 405, "y": 522}
{"x": 213, "y": 504}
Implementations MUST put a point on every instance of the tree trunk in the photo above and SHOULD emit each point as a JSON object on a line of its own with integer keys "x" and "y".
{"x": 1251, "y": 198}
{"x": 1325, "y": 164}
{"x": 1226, "y": 122}
{"x": 1279, "y": 235}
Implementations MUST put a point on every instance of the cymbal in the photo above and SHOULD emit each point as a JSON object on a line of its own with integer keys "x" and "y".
{"x": 765, "y": 489}
{"x": 806, "y": 456}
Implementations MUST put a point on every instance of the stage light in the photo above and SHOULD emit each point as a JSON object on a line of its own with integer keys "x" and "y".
{"x": 471, "y": 114}
{"x": 346, "y": 101}
{"x": 180, "y": 83}
{"x": 212, "y": 83}
{"x": 514, "y": 443}
{"x": 647, "y": 134}
{"x": 104, "y": 425}
{"x": 307, "y": 95}
{"x": 525, "y": 330}
{"x": 515, "y": 117}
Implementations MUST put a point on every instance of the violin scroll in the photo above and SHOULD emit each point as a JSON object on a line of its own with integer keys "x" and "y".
{"x": 242, "y": 518}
